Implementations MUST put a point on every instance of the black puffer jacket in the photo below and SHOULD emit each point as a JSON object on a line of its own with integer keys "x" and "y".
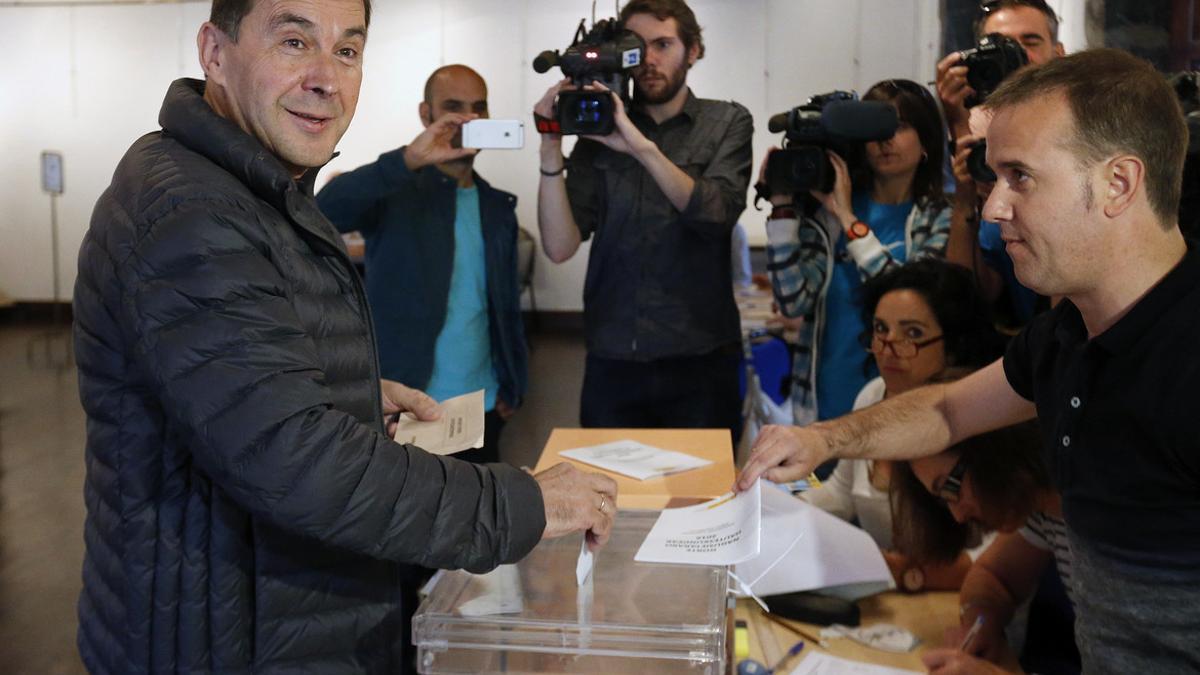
{"x": 245, "y": 510}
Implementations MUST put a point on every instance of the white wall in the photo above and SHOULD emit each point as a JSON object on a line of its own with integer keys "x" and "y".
{"x": 88, "y": 81}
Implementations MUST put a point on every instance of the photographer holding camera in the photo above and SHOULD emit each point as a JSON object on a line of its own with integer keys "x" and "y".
{"x": 661, "y": 194}
{"x": 891, "y": 210}
{"x": 976, "y": 245}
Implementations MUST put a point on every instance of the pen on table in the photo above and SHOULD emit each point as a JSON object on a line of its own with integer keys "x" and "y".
{"x": 780, "y": 622}
{"x": 795, "y": 649}
{"x": 970, "y": 636}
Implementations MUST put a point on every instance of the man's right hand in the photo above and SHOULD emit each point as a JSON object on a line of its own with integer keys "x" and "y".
{"x": 435, "y": 145}
{"x": 782, "y": 454}
{"x": 953, "y": 89}
{"x": 577, "y": 500}
{"x": 989, "y": 643}
{"x": 545, "y": 106}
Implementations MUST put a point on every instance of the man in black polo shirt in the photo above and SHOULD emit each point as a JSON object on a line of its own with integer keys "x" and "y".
{"x": 1089, "y": 151}
{"x": 660, "y": 195}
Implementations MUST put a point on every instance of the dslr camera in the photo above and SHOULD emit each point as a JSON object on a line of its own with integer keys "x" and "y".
{"x": 988, "y": 64}
{"x": 833, "y": 121}
{"x": 607, "y": 53}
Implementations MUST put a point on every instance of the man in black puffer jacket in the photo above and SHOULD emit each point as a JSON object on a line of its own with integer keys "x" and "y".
{"x": 246, "y": 510}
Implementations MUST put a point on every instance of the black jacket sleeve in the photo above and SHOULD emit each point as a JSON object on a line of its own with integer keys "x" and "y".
{"x": 351, "y": 199}
{"x": 221, "y": 340}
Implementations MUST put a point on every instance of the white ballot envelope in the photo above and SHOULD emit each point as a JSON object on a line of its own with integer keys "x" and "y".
{"x": 634, "y": 459}
{"x": 808, "y": 549}
{"x": 460, "y": 427}
{"x": 721, "y": 531}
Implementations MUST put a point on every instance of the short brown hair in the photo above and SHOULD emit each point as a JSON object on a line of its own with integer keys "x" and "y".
{"x": 228, "y": 14}
{"x": 689, "y": 28}
{"x": 1119, "y": 105}
{"x": 990, "y": 8}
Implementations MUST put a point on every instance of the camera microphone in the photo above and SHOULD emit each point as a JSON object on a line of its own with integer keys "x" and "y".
{"x": 545, "y": 61}
{"x": 857, "y": 120}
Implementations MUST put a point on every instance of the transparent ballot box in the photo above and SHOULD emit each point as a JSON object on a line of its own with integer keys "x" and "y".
{"x": 532, "y": 617}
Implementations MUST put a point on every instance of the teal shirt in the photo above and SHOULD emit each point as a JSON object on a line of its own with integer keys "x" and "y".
{"x": 462, "y": 359}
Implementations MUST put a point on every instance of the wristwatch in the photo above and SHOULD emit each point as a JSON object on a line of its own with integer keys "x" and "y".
{"x": 858, "y": 230}
{"x": 913, "y": 579}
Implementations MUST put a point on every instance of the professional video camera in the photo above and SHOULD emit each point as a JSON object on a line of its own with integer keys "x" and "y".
{"x": 988, "y": 64}
{"x": 607, "y": 54}
{"x": 831, "y": 121}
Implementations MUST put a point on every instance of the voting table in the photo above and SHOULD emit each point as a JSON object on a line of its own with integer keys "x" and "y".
{"x": 533, "y": 617}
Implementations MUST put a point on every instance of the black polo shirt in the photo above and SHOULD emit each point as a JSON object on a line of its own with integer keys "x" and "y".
{"x": 1121, "y": 419}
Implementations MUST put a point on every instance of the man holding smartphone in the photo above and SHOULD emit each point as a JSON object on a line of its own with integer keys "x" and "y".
{"x": 441, "y": 258}
{"x": 661, "y": 195}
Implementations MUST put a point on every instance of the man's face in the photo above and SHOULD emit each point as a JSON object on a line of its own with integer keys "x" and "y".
{"x": 1043, "y": 201}
{"x": 1030, "y": 27}
{"x": 458, "y": 91}
{"x": 293, "y": 76}
{"x": 664, "y": 69}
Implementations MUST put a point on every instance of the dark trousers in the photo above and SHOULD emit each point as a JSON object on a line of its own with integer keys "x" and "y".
{"x": 687, "y": 392}
{"x": 413, "y": 577}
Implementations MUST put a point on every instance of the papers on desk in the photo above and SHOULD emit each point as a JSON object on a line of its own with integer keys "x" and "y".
{"x": 722, "y": 531}
{"x": 460, "y": 427}
{"x": 634, "y": 459}
{"x": 820, "y": 663}
{"x": 831, "y": 555}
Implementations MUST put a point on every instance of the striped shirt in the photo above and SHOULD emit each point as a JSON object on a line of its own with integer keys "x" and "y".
{"x": 1048, "y": 533}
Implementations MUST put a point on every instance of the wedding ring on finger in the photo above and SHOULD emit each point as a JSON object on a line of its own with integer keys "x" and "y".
{"x": 603, "y": 503}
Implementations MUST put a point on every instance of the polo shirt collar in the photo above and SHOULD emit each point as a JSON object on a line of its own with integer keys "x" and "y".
{"x": 1181, "y": 280}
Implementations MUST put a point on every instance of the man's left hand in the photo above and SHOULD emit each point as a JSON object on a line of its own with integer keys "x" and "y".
{"x": 626, "y": 137}
{"x": 398, "y": 398}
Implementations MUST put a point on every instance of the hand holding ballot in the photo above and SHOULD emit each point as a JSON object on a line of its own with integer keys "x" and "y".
{"x": 782, "y": 454}
{"x": 576, "y": 500}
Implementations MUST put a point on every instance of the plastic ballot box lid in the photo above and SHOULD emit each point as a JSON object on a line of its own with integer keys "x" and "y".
{"x": 679, "y": 489}
{"x": 533, "y": 617}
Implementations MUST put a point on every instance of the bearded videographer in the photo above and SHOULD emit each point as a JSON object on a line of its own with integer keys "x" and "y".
{"x": 661, "y": 195}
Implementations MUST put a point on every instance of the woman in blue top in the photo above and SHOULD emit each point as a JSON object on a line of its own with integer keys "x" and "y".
{"x": 890, "y": 210}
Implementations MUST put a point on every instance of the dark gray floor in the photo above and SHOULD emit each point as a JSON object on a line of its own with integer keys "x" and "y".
{"x": 41, "y": 479}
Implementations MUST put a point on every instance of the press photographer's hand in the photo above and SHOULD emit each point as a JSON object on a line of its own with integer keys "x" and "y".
{"x": 782, "y": 454}
{"x": 440, "y": 142}
{"x": 953, "y": 89}
{"x": 837, "y": 201}
{"x": 626, "y": 137}
{"x": 776, "y": 200}
{"x": 545, "y": 105}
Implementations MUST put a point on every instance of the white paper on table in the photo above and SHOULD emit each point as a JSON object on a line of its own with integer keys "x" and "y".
{"x": 820, "y": 663}
{"x": 634, "y": 459}
{"x": 583, "y": 567}
{"x": 832, "y": 556}
{"x": 721, "y": 531}
{"x": 499, "y": 593}
{"x": 460, "y": 427}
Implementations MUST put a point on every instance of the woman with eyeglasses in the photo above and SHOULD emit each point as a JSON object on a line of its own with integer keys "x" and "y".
{"x": 995, "y": 481}
{"x": 878, "y": 215}
{"x": 924, "y": 319}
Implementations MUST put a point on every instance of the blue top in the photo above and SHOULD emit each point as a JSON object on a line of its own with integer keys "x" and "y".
{"x": 991, "y": 247}
{"x": 840, "y": 370}
{"x": 462, "y": 355}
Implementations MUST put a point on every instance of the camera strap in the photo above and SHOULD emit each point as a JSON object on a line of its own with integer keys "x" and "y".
{"x": 545, "y": 125}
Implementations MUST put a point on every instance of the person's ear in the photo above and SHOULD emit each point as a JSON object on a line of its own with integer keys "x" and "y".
{"x": 1124, "y": 177}
{"x": 693, "y": 54}
{"x": 1059, "y": 50}
{"x": 426, "y": 112}
{"x": 212, "y": 44}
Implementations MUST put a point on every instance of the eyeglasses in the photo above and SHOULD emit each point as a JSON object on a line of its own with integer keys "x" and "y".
{"x": 951, "y": 488}
{"x": 902, "y": 348}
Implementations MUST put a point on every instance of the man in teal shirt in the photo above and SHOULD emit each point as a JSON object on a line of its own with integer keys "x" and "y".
{"x": 441, "y": 259}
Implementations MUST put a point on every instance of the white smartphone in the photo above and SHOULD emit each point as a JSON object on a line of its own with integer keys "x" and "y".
{"x": 495, "y": 134}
